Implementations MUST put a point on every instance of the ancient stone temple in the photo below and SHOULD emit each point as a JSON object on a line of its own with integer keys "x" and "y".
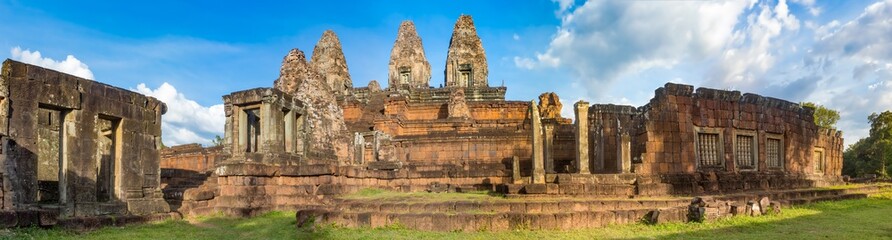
{"x": 313, "y": 137}
{"x": 408, "y": 67}
{"x": 75, "y": 148}
{"x": 329, "y": 59}
{"x": 466, "y": 60}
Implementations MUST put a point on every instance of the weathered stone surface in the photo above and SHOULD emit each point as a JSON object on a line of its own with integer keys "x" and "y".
{"x": 325, "y": 124}
{"x": 408, "y": 67}
{"x": 550, "y": 105}
{"x": 466, "y": 60}
{"x": 582, "y": 134}
{"x": 329, "y": 59}
{"x": 538, "y": 176}
{"x": 458, "y": 108}
{"x": 374, "y": 86}
{"x": 92, "y": 146}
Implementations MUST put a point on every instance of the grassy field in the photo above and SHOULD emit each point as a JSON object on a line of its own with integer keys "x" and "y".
{"x": 869, "y": 218}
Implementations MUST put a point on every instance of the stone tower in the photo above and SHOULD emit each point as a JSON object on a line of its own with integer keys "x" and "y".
{"x": 408, "y": 67}
{"x": 329, "y": 59}
{"x": 324, "y": 122}
{"x": 466, "y": 60}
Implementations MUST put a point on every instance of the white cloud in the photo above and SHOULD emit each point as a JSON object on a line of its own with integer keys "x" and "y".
{"x": 860, "y": 50}
{"x": 71, "y": 65}
{"x": 186, "y": 121}
{"x": 600, "y": 41}
{"x": 753, "y": 49}
{"x": 563, "y": 6}
{"x": 516, "y": 37}
{"x": 810, "y": 5}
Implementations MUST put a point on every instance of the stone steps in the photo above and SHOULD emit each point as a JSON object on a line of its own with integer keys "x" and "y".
{"x": 558, "y": 206}
{"x": 544, "y": 212}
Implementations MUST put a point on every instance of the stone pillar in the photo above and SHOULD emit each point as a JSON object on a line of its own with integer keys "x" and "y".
{"x": 515, "y": 169}
{"x": 582, "y": 158}
{"x": 358, "y": 148}
{"x": 599, "y": 149}
{"x": 538, "y": 156}
{"x": 268, "y": 133}
{"x": 548, "y": 151}
{"x": 624, "y": 153}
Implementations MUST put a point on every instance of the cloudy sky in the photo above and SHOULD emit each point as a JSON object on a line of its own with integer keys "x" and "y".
{"x": 835, "y": 53}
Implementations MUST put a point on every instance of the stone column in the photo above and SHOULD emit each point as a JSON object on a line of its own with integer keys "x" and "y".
{"x": 548, "y": 151}
{"x": 624, "y": 154}
{"x": 599, "y": 149}
{"x": 582, "y": 158}
{"x": 538, "y": 157}
{"x": 515, "y": 169}
{"x": 358, "y": 148}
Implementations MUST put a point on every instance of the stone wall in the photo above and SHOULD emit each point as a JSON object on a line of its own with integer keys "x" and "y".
{"x": 190, "y": 157}
{"x": 73, "y": 147}
{"x": 718, "y": 141}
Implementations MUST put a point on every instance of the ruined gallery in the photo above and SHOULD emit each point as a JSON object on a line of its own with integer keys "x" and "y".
{"x": 78, "y": 149}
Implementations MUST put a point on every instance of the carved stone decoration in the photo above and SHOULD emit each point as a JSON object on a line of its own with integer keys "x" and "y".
{"x": 374, "y": 86}
{"x": 325, "y": 127}
{"x": 408, "y": 67}
{"x": 550, "y": 105}
{"x": 458, "y": 107}
{"x": 466, "y": 60}
{"x": 329, "y": 59}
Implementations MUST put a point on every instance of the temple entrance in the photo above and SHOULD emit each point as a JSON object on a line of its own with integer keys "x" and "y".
{"x": 108, "y": 155}
{"x": 49, "y": 155}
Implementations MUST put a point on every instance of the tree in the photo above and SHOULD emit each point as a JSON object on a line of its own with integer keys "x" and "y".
{"x": 824, "y": 117}
{"x": 217, "y": 141}
{"x": 873, "y": 154}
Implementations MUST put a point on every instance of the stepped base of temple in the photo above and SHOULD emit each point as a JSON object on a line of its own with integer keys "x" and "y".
{"x": 556, "y": 212}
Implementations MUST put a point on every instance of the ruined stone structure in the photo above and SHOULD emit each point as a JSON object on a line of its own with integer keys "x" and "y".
{"x": 408, "y": 67}
{"x": 75, "y": 148}
{"x": 329, "y": 59}
{"x": 312, "y": 137}
{"x": 466, "y": 60}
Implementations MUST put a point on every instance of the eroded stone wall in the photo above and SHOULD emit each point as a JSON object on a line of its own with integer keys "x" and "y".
{"x": 73, "y": 147}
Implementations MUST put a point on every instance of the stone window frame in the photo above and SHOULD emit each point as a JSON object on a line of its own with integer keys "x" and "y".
{"x": 720, "y": 150}
{"x": 294, "y": 122}
{"x": 469, "y": 68}
{"x": 819, "y": 165}
{"x": 243, "y": 126}
{"x": 781, "y": 151}
{"x": 755, "y": 149}
{"x": 407, "y": 72}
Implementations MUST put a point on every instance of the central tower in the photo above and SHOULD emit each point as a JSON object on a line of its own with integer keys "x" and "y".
{"x": 466, "y": 60}
{"x": 408, "y": 67}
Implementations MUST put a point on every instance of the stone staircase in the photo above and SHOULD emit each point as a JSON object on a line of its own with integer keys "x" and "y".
{"x": 555, "y": 212}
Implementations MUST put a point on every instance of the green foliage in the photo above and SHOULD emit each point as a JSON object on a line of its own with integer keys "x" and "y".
{"x": 217, "y": 141}
{"x": 849, "y": 219}
{"x": 824, "y": 117}
{"x": 873, "y": 154}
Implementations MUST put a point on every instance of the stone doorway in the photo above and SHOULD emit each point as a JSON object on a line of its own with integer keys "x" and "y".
{"x": 49, "y": 155}
{"x": 108, "y": 157}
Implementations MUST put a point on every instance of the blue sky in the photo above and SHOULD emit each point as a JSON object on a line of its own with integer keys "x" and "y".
{"x": 189, "y": 54}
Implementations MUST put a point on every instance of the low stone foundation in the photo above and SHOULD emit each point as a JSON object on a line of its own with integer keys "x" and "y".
{"x": 551, "y": 212}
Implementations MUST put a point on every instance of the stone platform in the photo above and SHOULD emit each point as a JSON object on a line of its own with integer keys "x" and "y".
{"x": 551, "y": 212}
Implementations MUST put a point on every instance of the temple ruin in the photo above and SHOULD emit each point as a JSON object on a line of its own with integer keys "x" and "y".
{"x": 312, "y": 136}
{"x": 74, "y": 148}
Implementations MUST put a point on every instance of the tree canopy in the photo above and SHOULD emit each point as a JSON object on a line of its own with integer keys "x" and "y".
{"x": 873, "y": 154}
{"x": 824, "y": 117}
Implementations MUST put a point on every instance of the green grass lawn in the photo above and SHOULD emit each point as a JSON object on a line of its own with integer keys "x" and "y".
{"x": 869, "y": 218}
